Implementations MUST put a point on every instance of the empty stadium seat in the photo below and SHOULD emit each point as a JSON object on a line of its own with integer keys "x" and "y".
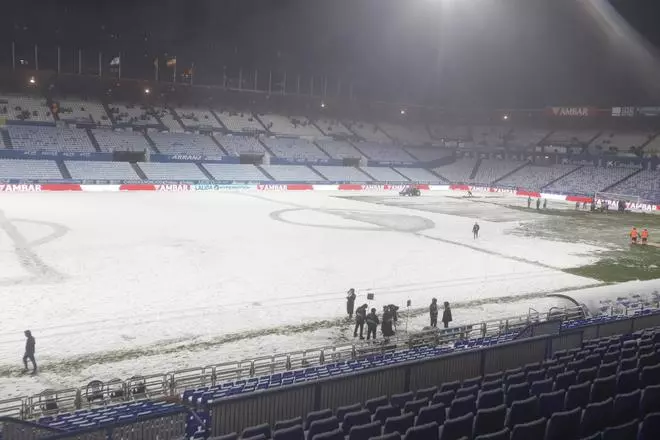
{"x": 456, "y": 428}
{"x": 426, "y": 393}
{"x": 490, "y": 399}
{"x": 577, "y": 396}
{"x": 328, "y": 425}
{"x": 499, "y": 435}
{"x": 254, "y": 431}
{"x": 650, "y": 400}
{"x": 444, "y": 397}
{"x": 461, "y": 406}
{"x": 432, "y": 413}
{"x": 365, "y": 432}
{"x": 564, "y": 425}
{"x": 343, "y": 410}
{"x": 626, "y": 431}
{"x": 541, "y": 386}
{"x": 294, "y": 432}
{"x": 383, "y": 413}
{"x": 603, "y": 388}
{"x": 523, "y": 411}
{"x": 399, "y": 400}
{"x": 399, "y": 424}
{"x": 317, "y": 415}
{"x": 373, "y": 404}
{"x": 427, "y": 431}
{"x": 516, "y": 392}
{"x": 488, "y": 421}
{"x": 650, "y": 427}
{"x": 596, "y": 416}
{"x": 357, "y": 418}
{"x": 531, "y": 430}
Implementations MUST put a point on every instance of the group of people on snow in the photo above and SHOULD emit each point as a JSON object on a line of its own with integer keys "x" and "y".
{"x": 389, "y": 318}
{"x": 635, "y": 235}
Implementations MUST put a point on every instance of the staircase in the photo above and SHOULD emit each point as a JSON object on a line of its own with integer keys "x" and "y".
{"x": 317, "y": 173}
{"x": 256, "y": 116}
{"x": 622, "y": 180}
{"x": 217, "y": 118}
{"x": 475, "y": 169}
{"x": 151, "y": 142}
{"x": 139, "y": 171}
{"x": 92, "y": 138}
{"x": 510, "y": 173}
{"x": 215, "y": 141}
{"x": 110, "y": 114}
{"x": 265, "y": 173}
{"x": 322, "y": 150}
{"x": 263, "y": 144}
{"x": 63, "y": 169}
{"x": 397, "y": 171}
{"x": 175, "y": 116}
{"x": 561, "y": 177}
{"x": 206, "y": 172}
{"x": 6, "y": 139}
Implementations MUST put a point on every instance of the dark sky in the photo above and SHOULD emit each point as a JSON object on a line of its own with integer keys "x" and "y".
{"x": 492, "y": 52}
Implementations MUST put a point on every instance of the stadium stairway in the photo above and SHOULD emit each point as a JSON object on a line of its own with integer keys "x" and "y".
{"x": 151, "y": 142}
{"x": 265, "y": 173}
{"x": 139, "y": 171}
{"x": 106, "y": 107}
{"x": 176, "y": 116}
{"x": 206, "y": 172}
{"x": 215, "y": 141}
{"x": 63, "y": 169}
{"x": 258, "y": 119}
{"x": 399, "y": 173}
{"x": 509, "y": 173}
{"x": 354, "y": 144}
{"x": 263, "y": 144}
{"x": 6, "y": 139}
{"x": 622, "y": 180}
{"x": 222, "y": 124}
{"x": 92, "y": 138}
{"x": 369, "y": 175}
{"x": 475, "y": 169}
{"x": 323, "y": 178}
{"x": 317, "y": 145}
{"x": 561, "y": 177}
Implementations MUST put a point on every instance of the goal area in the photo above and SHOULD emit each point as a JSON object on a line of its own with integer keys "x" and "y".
{"x": 632, "y": 202}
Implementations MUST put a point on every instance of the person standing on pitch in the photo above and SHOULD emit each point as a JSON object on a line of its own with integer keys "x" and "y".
{"x": 446, "y": 315}
{"x": 350, "y": 302}
{"x": 475, "y": 230}
{"x": 529, "y": 202}
{"x": 433, "y": 312}
{"x": 29, "y": 352}
{"x": 538, "y": 204}
{"x": 360, "y": 317}
{"x": 372, "y": 324}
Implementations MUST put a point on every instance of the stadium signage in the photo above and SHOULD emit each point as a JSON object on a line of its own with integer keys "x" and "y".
{"x": 173, "y": 188}
{"x": 21, "y": 187}
{"x": 574, "y": 112}
{"x": 186, "y": 157}
{"x": 272, "y": 187}
{"x": 631, "y": 206}
{"x": 221, "y": 187}
{"x": 503, "y": 190}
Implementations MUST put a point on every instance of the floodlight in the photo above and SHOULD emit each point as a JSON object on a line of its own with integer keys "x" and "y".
{"x": 147, "y": 91}
{"x": 32, "y": 80}
{"x": 505, "y": 117}
{"x": 403, "y": 111}
{"x": 323, "y": 105}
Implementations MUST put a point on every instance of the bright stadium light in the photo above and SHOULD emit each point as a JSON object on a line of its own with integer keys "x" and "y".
{"x": 32, "y": 80}
{"x": 323, "y": 105}
{"x": 147, "y": 91}
{"x": 505, "y": 117}
{"x": 403, "y": 111}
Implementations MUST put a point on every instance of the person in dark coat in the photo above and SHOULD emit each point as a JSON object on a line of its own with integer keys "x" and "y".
{"x": 475, "y": 230}
{"x": 433, "y": 312}
{"x": 446, "y": 315}
{"x": 372, "y": 324}
{"x": 29, "y": 352}
{"x": 360, "y": 317}
{"x": 395, "y": 313}
{"x": 350, "y": 302}
{"x": 387, "y": 327}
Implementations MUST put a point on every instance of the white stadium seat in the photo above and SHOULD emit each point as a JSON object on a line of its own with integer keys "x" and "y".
{"x": 29, "y": 169}
{"x": 235, "y": 172}
{"x": 88, "y": 170}
{"x": 342, "y": 174}
{"x": 171, "y": 171}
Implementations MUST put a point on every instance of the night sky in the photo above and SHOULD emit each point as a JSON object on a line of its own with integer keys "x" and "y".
{"x": 473, "y": 52}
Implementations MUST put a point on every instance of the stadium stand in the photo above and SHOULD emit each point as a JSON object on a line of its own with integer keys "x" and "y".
{"x": 384, "y": 174}
{"x": 427, "y": 154}
{"x": 133, "y": 114}
{"x": 341, "y": 174}
{"x": 588, "y": 180}
{"x": 412, "y": 134}
{"x": 619, "y": 141}
{"x": 368, "y": 131}
{"x": 331, "y": 127}
{"x": 118, "y": 140}
{"x": 235, "y": 172}
{"x": 526, "y": 137}
{"x": 293, "y": 125}
{"x": 239, "y": 122}
{"x": 491, "y": 170}
{"x": 419, "y": 175}
{"x": 653, "y": 147}
{"x": 450, "y": 132}
{"x": 87, "y": 111}
{"x": 186, "y": 143}
{"x": 294, "y": 149}
{"x": 489, "y": 136}
{"x": 535, "y": 177}
{"x": 237, "y": 145}
{"x": 645, "y": 184}
{"x": 29, "y": 169}
{"x": 172, "y": 171}
{"x": 384, "y": 152}
{"x": 167, "y": 118}
{"x": 195, "y": 118}
{"x": 570, "y": 137}
{"x": 458, "y": 171}
{"x": 50, "y": 139}
{"x": 87, "y": 170}
{"x": 338, "y": 149}
{"x": 292, "y": 173}
{"x": 24, "y": 108}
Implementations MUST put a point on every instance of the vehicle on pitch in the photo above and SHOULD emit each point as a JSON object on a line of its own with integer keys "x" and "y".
{"x": 411, "y": 191}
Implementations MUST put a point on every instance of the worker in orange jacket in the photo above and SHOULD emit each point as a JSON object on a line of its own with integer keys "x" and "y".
{"x": 645, "y": 236}
{"x": 633, "y": 236}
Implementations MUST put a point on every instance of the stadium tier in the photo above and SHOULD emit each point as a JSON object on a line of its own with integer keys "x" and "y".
{"x": 338, "y": 149}
{"x": 167, "y": 118}
{"x": 384, "y": 152}
{"x": 115, "y": 140}
{"x": 450, "y": 132}
{"x": 589, "y": 180}
{"x": 116, "y": 171}
{"x": 459, "y": 171}
{"x": 235, "y": 172}
{"x": 29, "y": 170}
{"x": 570, "y": 137}
{"x": 186, "y": 143}
{"x": 51, "y": 139}
{"x": 23, "y": 108}
{"x": 133, "y": 114}
{"x": 293, "y": 125}
{"x": 239, "y": 121}
{"x": 420, "y": 175}
{"x": 83, "y": 111}
{"x": 292, "y": 173}
{"x": 645, "y": 184}
{"x": 491, "y": 170}
{"x": 192, "y": 118}
{"x": 342, "y": 174}
{"x": 407, "y": 134}
{"x": 368, "y": 131}
{"x": 239, "y": 144}
{"x": 331, "y": 127}
{"x": 384, "y": 174}
{"x": 172, "y": 172}
{"x": 489, "y": 136}
{"x": 619, "y": 141}
{"x": 525, "y": 137}
{"x": 428, "y": 154}
{"x": 294, "y": 149}
{"x": 535, "y": 177}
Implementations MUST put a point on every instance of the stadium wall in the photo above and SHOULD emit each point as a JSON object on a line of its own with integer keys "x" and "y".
{"x": 189, "y": 187}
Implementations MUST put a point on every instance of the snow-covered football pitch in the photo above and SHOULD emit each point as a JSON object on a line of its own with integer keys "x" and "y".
{"x": 120, "y": 284}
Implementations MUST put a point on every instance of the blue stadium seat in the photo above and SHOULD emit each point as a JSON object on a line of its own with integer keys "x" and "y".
{"x": 628, "y": 364}
{"x": 399, "y": 400}
{"x": 564, "y": 425}
{"x": 391, "y": 436}
{"x": 603, "y": 388}
{"x": 626, "y": 407}
{"x": 527, "y": 431}
{"x": 254, "y": 431}
{"x": 492, "y": 385}
{"x": 541, "y": 386}
{"x": 399, "y": 424}
{"x": 577, "y": 396}
{"x": 553, "y": 371}
{"x": 373, "y": 404}
{"x": 493, "y": 376}
{"x": 362, "y": 417}
{"x": 608, "y": 369}
{"x": 472, "y": 382}
{"x": 433, "y": 413}
{"x": 534, "y": 375}
{"x": 426, "y": 393}
{"x": 414, "y": 406}
{"x": 467, "y": 391}
{"x": 283, "y": 424}
{"x": 627, "y": 381}
{"x": 565, "y": 380}
{"x": 317, "y": 415}
{"x": 455, "y": 429}
{"x": 650, "y": 400}
{"x": 295, "y": 432}
{"x": 587, "y": 375}
{"x": 488, "y": 421}
{"x": 596, "y": 416}
{"x": 595, "y": 436}
{"x": 515, "y": 379}
{"x": 648, "y": 360}
{"x": 450, "y": 386}
{"x": 343, "y": 410}
{"x": 523, "y": 411}
{"x": 650, "y": 376}
{"x": 650, "y": 427}
{"x": 627, "y": 431}
{"x": 322, "y": 426}
{"x": 385, "y": 412}
{"x": 365, "y": 432}
{"x": 490, "y": 399}
{"x": 499, "y": 435}
{"x": 515, "y": 392}
{"x": 611, "y": 356}
{"x": 462, "y": 406}
{"x": 445, "y": 398}
{"x": 550, "y": 403}
{"x": 427, "y": 431}
{"x": 329, "y": 435}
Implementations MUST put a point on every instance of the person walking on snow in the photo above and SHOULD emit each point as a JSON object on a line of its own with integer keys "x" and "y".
{"x": 446, "y": 315}
{"x": 475, "y": 230}
{"x": 360, "y": 317}
{"x": 29, "y": 352}
{"x": 350, "y": 302}
{"x": 372, "y": 324}
{"x": 633, "y": 235}
{"x": 645, "y": 236}
{"x": 433, "y": 312}
{"x": 545, "y": 203}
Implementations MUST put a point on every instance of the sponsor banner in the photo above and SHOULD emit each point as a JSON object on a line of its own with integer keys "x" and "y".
{"x": 285, "y": 187}
{"x": 100, "y": 188}
{"x": 386, "y": 187}
{"x": 271, "y": 187}
{"x": 624, "y": 112}
{"x": 439, "y": 187}
{"x": 137, "y": 187}
{"x": 581, "y": 199}
{"x": 553, "y": 196}
{"x": 20, "y": 187}
{"x": 214, "y": 187}
{"x": 299, "y": 187}
{"x": 174, "y": 187}
{"x": 325, "y": 187}
{"x": 630, "y": 206}
{"x": 524, "y": 193}
{"x": 54, "y": 155}
{"x": 572, "y": 112}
